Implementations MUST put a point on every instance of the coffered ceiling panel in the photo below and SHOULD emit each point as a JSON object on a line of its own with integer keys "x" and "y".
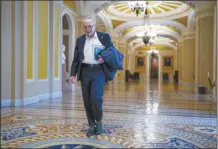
{"x": 156, "y": 9}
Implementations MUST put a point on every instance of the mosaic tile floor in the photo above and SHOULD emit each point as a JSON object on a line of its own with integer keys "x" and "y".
{"x": 136, "y": 115}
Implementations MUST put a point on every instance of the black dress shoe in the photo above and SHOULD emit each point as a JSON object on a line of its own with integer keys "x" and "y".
{"x": 90, "y": 132}
{"x": 98, "y": 130}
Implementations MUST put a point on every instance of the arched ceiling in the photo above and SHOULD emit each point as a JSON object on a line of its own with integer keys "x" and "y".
{"x": 156, "y": 9}
{"x": 170, "y": 20}
{"x": 167, "y": 19}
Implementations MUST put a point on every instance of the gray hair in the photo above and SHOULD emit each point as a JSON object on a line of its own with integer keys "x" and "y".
{"x": 91, "y": 17}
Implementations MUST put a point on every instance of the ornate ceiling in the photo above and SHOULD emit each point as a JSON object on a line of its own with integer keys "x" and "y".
{"x": 156, "y": 9}
{"x": 169, "y": 20}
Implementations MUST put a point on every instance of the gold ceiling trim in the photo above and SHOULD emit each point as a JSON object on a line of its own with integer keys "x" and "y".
{"x": 183, "y": 20}
{"x": 171, "y": 6}
{"x": 120, "y": 4}
{"x": 156, "y": 10}
{"x": 127, "y": 30}
{"x": 176, "y": 3}
{"x": 71, "y": 4}
{"x": 133, "y": 28}
{"x": 123, "y": 9}
{"x": 174, "y": 29}
{"x": 132, "y": 38}
{"x": 116, "y": 23}
{"x": 129, "y": 11}
{"x": 164, "y": 8}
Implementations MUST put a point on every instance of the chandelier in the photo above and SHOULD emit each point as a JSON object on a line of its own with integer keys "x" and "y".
{"x": 137, "y": 7}
{"x": 147, "y": 36}
{"x": 143, "y": 7}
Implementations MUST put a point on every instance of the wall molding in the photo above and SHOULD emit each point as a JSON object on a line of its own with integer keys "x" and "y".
{"x": 26, "y": 101}
{"x": 203, "y": 15}
{"x": 189, "y": 35}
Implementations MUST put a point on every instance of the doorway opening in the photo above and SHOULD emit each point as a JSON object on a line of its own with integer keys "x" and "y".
{"x": 67, "y": 31}
{"x": 154, "y": 66}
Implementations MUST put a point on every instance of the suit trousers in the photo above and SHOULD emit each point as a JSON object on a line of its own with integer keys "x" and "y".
{"x": 92, "y": 85}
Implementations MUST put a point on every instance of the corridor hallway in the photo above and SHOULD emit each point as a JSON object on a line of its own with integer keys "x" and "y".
{"x": 137, "y": 114}
{"x": 174, "y": 41}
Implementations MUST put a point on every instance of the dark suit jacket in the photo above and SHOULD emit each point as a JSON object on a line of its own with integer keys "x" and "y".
{"x": 104, "y": 38}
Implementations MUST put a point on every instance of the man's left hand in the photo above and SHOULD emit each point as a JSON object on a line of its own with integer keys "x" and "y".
{"x": 100, "y": 59}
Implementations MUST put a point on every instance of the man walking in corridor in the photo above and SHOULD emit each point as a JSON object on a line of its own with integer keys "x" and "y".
{"x": 89, "y": 71}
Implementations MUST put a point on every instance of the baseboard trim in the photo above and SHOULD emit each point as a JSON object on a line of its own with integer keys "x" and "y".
{"x": 26, "y": 101}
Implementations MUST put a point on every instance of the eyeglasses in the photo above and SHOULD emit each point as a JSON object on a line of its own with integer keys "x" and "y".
{"x": 89, "y": 26}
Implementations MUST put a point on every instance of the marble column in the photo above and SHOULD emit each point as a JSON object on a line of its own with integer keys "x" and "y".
{"x": 122, "y": 49}
{"x": 188, "y": 56}
{"x": 175, "y": 60}
{"x": 204, "y": 49}
{"x": 12, "y": 15}
{"x": 115, "y": 43}
{"x": 216, "y": 56}
{"x": 215, "y": 53}
{"x": 180, "y": 61}
{"x": 6, "y": 49}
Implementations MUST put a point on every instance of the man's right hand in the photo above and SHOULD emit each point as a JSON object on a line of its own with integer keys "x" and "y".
{"x": 73, "y": 79}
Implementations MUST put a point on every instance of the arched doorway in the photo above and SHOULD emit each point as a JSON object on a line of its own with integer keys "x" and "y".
{"x": 68, "y": 40}
{"x": 154, "y": 70}
{"x": 65, "y": 39}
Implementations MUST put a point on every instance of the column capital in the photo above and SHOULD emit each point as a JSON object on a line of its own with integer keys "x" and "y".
{"x": 189, "y": 35}
{"x": 203, "y": 15}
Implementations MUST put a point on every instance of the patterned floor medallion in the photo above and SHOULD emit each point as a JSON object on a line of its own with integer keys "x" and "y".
{"x": 136, "y": 115}
{"x": 71, "y": 143}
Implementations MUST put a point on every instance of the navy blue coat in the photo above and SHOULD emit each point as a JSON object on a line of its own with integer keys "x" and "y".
{"x": 113, "y": 58}
{"x": 104, "y": 38}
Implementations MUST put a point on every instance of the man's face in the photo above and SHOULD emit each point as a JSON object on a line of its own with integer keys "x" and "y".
{"x": 89, "y": 27}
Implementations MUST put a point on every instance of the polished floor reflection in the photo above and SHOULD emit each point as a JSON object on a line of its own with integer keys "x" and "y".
{"x": 136, "y": 115}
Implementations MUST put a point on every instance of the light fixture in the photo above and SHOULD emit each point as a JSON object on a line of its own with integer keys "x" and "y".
{"x": 137, "y": 6}
{"x": 149, "y": 34}
{"x": 146, "y": 38}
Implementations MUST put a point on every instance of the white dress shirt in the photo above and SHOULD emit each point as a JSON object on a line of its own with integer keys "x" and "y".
{"x": 89, "y": 50}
